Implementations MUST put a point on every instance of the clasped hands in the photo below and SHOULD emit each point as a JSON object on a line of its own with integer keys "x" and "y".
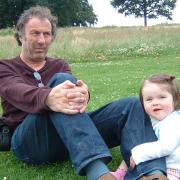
{"x": 68, "y": 98}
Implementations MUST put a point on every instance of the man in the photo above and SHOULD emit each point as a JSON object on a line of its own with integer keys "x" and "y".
{"x": 45, "y": 106}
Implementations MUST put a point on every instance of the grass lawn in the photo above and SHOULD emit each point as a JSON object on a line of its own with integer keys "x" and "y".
{"x": 113, "y": 63}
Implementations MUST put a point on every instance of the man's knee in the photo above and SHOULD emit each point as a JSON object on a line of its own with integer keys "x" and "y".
{"x": 127, "y": 103}
{"x": 59, "y": 78}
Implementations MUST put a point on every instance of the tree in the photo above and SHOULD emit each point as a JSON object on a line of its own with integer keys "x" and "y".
{"x": 69, "y": 12}
{"x": 85, "y": 15}
{"x": 3, "y": 15}
{"x": 73, "y": 12}
{"x": 10, "y": 10}
{"x": 145, "y": 8}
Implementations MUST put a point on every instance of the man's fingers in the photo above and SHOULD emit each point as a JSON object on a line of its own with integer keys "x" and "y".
{"x": 68, "y": 85}
{"x": 82, "y": 109}
{"x": 70, "y": 111}
{"x": 72, "y": 95}
{"x": 68, "y": 98}
{"x": 79, "y": 83}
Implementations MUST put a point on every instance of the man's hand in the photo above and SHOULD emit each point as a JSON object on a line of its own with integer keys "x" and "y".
{"x": 68, "y": 97}
{"x": 84, "y": 87}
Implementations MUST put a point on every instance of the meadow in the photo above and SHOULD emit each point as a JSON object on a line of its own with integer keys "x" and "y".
{"x": 112, "y": 61}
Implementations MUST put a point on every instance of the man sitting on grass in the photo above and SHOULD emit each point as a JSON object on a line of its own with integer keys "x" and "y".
{"x": 45, "y": 106}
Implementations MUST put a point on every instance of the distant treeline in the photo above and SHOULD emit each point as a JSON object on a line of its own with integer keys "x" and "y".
{"x": 69, "y": 12}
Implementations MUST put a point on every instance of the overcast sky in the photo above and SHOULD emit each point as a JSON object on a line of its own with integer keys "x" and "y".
{"x": 108, "y": 16}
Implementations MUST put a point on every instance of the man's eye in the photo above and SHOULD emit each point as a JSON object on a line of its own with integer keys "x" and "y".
{"x": 35, "y": 33}
{"x": 47, "y": 34}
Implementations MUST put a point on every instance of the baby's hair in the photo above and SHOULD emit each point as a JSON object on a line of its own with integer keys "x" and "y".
{"x": 170, "y": 84}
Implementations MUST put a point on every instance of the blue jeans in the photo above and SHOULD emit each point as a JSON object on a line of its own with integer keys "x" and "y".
{"x": 52, "y": 136}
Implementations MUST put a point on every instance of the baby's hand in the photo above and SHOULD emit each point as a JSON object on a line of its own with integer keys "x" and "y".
{"x": 132, "y": 162}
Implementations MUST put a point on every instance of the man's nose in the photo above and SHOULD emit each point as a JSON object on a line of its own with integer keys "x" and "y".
{"x": 41, "y": 38}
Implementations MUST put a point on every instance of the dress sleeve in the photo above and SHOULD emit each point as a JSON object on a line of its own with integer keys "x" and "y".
{"x": 168, "y": 140}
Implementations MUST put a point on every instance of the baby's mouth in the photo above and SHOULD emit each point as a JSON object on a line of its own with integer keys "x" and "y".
{"x": 156, "y": 109}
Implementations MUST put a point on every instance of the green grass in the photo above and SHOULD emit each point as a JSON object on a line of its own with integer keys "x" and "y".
{"x": 112, "y": 62}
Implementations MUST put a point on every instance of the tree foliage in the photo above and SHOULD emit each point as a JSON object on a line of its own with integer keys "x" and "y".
{"x": 73, "y": 12}
{"x": 151, "y": 9}
{"x": 69, "y": 12}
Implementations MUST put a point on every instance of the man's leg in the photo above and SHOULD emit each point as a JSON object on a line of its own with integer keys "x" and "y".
{"x": 124, "y": 123}
{"x": 36, "y": 141}
{"x": 78, "y": 133}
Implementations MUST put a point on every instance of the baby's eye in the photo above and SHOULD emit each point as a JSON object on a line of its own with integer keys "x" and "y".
{"x": 162, "y": 97}
{"x": 148, "y": 99}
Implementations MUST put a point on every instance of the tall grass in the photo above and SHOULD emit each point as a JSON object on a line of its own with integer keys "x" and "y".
{"x": 101, "y": 44}
{"x": 112, "y": 61}
{"x": 91, "y": 44}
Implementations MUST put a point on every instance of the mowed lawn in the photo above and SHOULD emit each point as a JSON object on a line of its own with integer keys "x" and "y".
{"x": 113, "y": 62}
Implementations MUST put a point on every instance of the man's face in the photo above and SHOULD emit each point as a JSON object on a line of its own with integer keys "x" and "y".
{"x": 36, "y": 39}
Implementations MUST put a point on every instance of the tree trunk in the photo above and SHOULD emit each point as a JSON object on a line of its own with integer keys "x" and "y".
{"x": 145, "y": 21}
{"x": 145, "y": 12}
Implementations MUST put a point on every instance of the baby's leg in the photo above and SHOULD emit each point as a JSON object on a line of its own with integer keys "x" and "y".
{"x": 121, "y": 171}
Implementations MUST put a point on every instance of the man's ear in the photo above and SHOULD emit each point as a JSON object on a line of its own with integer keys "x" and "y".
{"x": 20, "y": 38}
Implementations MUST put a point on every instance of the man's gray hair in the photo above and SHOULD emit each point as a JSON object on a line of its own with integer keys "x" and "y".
{"x": 36, "y": 11}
